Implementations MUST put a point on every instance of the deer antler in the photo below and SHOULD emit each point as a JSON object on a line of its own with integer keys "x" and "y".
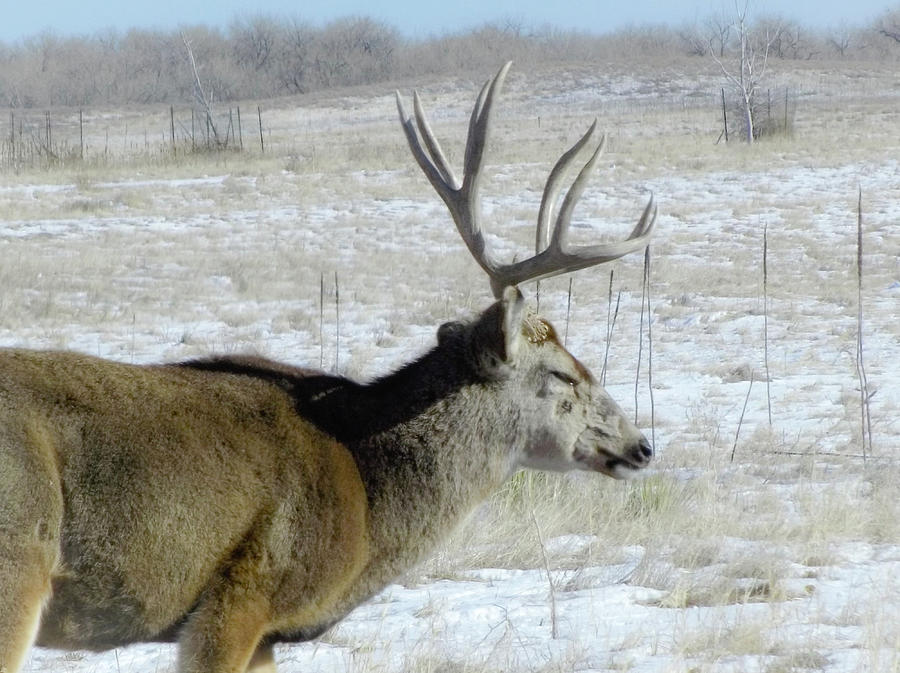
{"x": 553, "y": 256}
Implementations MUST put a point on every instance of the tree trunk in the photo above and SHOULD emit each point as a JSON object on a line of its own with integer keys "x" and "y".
{"x": 748, "y": 117}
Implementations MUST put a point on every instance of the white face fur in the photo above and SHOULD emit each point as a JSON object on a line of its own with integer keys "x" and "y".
{"x": 567, "y": 421}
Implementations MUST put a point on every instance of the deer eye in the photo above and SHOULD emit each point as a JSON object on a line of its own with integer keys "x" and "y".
{"x": 565, "y": 378}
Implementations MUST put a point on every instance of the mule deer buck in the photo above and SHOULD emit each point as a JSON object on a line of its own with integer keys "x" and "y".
{"x": 231, "y": 503}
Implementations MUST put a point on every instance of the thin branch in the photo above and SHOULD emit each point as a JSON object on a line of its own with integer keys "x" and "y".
{"x": 199, "y": 93}
{"x": 611, "y": 317}
{"x": 554, "y": 631}
{"x": 737, "y": 434}
{"x": 568, "y": 315}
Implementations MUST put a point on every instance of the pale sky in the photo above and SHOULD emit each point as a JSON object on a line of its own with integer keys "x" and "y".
{"x": 24, "y": 18}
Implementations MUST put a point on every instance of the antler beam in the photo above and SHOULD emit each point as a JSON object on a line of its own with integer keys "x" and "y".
{"x": 553, "y": 254}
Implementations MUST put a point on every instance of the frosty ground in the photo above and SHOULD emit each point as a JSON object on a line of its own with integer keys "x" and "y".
{"x": 751, "y": 545}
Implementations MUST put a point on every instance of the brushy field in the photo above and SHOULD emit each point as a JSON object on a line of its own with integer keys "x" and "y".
{"x": 754, "y": 544}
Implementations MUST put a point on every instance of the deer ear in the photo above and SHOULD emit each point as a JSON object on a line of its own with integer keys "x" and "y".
{"x": 496, "y": 336}
{"x": 512, "y": 305}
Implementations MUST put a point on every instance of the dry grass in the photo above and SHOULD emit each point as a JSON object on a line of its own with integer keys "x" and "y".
{"x": 177, "y": 257}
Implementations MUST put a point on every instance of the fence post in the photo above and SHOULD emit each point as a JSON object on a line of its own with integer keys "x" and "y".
{"x": 724, "y": 115}
{"x": 172, "y": 129}
{"x": 239, "y": 130}
{"x": 262, "y": 144}
{"x": 785, "y": 109}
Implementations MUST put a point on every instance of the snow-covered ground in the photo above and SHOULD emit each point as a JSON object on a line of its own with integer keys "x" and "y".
{"x": 803, "y": 543}
{"x": 500, "y": 620}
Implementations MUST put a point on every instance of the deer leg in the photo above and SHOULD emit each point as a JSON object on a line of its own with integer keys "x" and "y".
{"x": 223, "y": 633}
{"x": 30, "y": 520}
{"x": 24, "y": 587}
{"x": 263, "y": 660}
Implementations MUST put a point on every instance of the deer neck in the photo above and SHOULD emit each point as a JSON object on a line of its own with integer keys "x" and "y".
{"x": 430, "y": 446}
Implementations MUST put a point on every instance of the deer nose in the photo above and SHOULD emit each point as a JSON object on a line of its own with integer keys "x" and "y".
{"x": 644, "y": 451}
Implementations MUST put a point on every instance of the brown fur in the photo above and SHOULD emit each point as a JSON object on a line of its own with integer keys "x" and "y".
{"x": 173, "y": 498}
{"x": 232, "y": 503}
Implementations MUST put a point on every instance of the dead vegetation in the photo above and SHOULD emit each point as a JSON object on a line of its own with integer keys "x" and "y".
{"x": 171, "y": 258}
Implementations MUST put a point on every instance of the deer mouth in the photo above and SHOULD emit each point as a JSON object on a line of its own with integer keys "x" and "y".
{"x": 618, "y": 465}
{"x": 618, "y": 468}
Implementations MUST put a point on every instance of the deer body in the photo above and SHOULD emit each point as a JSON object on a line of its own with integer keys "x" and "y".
{"x": 159, "y": 486}
{"x": 232, "y": 503}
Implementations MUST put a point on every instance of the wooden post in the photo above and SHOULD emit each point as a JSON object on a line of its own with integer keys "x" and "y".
{"x": 337, "y": 324}
{"x": 239, "y": 130}
{"x": 81, "y": 131}
{"x": 785, "y": 109}
{"x": 172, "y": 128}
{"x": 724, "y": 115}
{"x": 322, "y": 320}
{"x": 262, "y": 144}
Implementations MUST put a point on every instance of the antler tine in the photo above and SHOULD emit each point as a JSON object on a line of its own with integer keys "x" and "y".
{"x": 480, "y": 124}
{"x": 553, "y": 187}
{"x": 434, "y": 147}
{"x": 557, "y": 259}
{"x": 552, "y": 254}
{"x": 461, "y": 198}
{"x": 564, "y": 219}
{"x": 434, "y": 174}
{"x": 590, "y": 255}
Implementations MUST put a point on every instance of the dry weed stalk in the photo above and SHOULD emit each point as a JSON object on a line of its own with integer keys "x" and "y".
{"x": 765, "y": 266}
{"x": 322, "y": 320}
{"x": 554, "y": 630}
{"x": 865, "y": 395}
{"x": 611, "y": 316}
{"x": 645, "y": 304}
{"x": 649, "y": 346}
{"x": 737, "y": 433}
{"x": 337, "y": 324}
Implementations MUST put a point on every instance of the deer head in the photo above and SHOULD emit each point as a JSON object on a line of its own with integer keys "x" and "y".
{"x": 567, "y": 420}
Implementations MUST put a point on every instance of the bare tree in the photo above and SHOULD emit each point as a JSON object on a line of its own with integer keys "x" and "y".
{"x": 839, "y": 38}
{"x": 203, "y": 96}
{"x": 254, "y": 41}
{"x": 712, "y": 36}
{"x": 293, "y": 71}
{"x": 354, "y": 50}
{"x": 889, "y": 25}
{"x": 749, "y": 68}
{"x": 790, "y": 39}
{"x": 693, "y": 40}
{"x": 718, "y": 29}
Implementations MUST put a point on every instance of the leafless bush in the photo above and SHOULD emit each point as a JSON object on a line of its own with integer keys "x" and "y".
{"x": 262, "y": 56}
{"x": 773, "y": 111}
